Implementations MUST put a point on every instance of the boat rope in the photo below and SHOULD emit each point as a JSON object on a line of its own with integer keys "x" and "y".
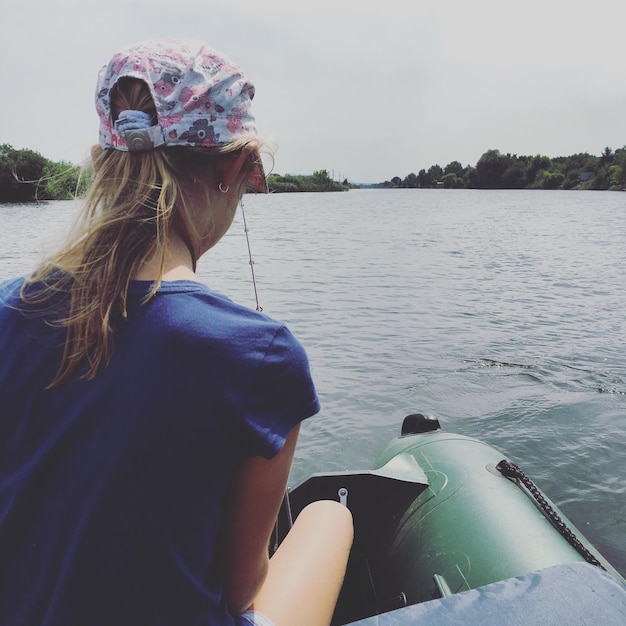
{"x": 245, "y": 228}
{"x": 513, "y": 471}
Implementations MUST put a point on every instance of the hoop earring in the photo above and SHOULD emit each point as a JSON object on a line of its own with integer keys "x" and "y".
{"x": 222, "y": 189}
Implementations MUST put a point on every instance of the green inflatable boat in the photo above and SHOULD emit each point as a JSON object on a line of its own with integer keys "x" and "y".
{"x": 449, "y": 531}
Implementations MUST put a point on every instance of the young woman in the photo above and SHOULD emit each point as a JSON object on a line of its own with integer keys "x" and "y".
{"x": 148, "y": 424}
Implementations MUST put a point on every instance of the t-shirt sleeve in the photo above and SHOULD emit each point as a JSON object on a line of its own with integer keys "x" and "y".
{"x": 282, "y": 394}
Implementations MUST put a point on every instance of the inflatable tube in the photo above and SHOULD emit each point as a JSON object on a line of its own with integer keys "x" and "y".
{"x": 470, "y": 527}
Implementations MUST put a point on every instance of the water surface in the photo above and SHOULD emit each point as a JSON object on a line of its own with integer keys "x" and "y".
{"x": 499, "y": 312}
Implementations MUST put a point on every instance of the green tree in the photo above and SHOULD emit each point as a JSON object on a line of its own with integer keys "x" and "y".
{"x": 601, "y": 178}
{"x": 514, "y": 177}
{"x": 620, "y": 168}
{"x": 470, "y": 180}
{"x": 577, "y": 168}
{"x": 490, "y": 168}
{"x": 548, "y": 180}
{"x": 20, "y": 174}
{"x": 607, "y": 156}
{"x": 454, "y": 167}
{"x": 534, "y": 165}
{"x": 411, "y": 181}
{"x": 452, "y": 181}
{"x": 433, "y": 175}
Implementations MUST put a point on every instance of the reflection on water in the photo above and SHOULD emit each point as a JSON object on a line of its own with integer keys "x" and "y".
{"x": 500, "y": 312}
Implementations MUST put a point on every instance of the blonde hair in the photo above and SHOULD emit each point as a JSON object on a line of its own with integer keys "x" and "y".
{"x": 136, "y": 202}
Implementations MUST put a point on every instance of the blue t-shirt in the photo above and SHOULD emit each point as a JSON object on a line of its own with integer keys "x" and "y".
{"x": 113, "y": 490}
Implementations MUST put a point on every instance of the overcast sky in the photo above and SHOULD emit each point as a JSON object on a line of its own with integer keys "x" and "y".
{"x": 366, "y": 90}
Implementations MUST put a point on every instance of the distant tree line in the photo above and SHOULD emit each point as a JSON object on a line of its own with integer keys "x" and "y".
{"x": 318, "y": 181}
{"x": 495, "y": 170}
{"x": 26, "y": 176}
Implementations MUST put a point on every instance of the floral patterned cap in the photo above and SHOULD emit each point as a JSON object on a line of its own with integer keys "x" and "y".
{"x": 201, "y": 98}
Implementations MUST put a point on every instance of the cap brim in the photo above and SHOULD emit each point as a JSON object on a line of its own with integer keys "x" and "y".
{"x": 257, "y": 180}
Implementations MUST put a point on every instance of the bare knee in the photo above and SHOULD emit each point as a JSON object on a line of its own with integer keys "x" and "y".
{"x": 329, "y": 514}
{"x": 330, "y": 509}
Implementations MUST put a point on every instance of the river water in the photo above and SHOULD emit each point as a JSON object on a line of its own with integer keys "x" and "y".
{"x": 502, "y": 313}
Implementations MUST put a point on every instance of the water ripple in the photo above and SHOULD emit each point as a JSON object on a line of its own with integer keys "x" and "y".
{"x": 502, "y": 313}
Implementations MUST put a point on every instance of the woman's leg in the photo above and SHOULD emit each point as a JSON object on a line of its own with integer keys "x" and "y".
{"x": 307, "y": 570}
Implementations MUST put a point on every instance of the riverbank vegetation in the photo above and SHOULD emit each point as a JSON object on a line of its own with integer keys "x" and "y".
{"x": 318, "y": 181}
{"x": 27, "y": 176}
{"x": 495, "y": 170}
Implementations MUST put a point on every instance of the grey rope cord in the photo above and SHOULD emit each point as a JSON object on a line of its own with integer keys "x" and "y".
{"x": 513, "y": 471}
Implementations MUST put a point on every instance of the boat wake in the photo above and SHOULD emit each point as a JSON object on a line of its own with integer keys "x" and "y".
{"x": 557, "y": 373}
